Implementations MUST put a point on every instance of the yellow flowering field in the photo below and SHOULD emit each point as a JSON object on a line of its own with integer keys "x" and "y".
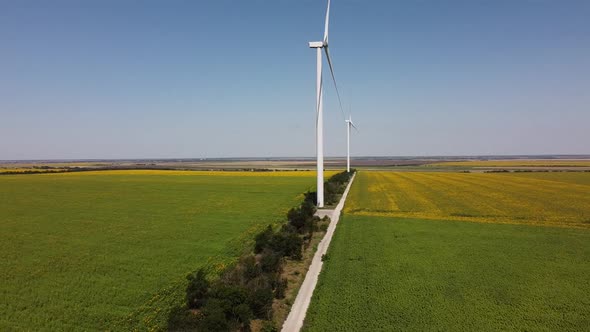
{"x": 327, "y": 174}
{"x": 481, "y": 197}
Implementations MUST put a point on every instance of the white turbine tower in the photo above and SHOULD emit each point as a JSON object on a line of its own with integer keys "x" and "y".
{"x": 319, "y": 107}
{"x": 349, "y": 124}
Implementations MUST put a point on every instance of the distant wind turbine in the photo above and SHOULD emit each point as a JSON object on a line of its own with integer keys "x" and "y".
{"x": 319, "y": 107}
{"x": 349, "y": 124}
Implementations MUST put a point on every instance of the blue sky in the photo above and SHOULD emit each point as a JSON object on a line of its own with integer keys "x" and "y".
{"x": 182, "y": 79}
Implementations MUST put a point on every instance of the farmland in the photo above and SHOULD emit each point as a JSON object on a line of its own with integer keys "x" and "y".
{"x": 394, "y": 274}
{"x": 458, "y": 251}
{"x": 561, "y": 199}
{"x": 518, "y": 163}
{"x": 110, "y": 250}
{"x": 565, "y": 177}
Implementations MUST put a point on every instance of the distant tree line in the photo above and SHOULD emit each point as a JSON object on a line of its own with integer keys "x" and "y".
{"x": 66, "y": 169}
{"x": 246, "y": 290}
{"x": 44, "y": 169}
{"x": 535, "y": 171}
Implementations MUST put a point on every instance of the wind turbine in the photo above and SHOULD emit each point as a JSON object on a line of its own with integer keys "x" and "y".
{"x": 349, "y": 124}
{"x": 319, "y": 45}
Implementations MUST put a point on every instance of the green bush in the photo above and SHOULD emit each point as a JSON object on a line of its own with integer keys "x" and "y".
{"x": 196, "y": 291}
{"x": 280, "y": 289}
{"x": 335, "y": 187}
{"x": 302, "y": 218}
{"x": 250, "y": 269}
{"x": 262, "y": 239}
{"x": 260, "y": 301}
{"x": 230, "y": 295}
{"x": 296, "y": 218}
{"x": 268, "y": 326}
{"x": 242, "y": 315}
{"x": 270, "y": 261}
{"x": 181, "y": 319}
{"x": 288, "y": 244}
{"x": 214, "y": 318}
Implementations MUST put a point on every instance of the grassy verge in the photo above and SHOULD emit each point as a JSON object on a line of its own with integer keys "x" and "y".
{"x": 294, "y": 272}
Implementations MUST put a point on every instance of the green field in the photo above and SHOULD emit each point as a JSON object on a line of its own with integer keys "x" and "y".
{"x": 480, "y": 269}
{"x": 386, "y": 274}
{"x": 110, "y": 250}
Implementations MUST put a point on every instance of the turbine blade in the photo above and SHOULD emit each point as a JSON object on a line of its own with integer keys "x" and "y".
{"x": 317, "y": 109}
{"x": 353, "y": 126}
{"x": 327, "y": 24}
{"x": 334, "y": 79}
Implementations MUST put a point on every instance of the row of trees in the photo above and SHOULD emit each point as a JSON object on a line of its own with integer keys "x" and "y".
{"x": 335, "y": 187}
{"x": 246, "y": 290}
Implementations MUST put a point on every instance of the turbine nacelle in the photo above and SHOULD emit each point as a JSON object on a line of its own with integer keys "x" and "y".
{"x": 317, "y": 44}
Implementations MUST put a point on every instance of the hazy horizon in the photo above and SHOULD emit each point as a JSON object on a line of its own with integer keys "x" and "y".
{"x": 311, "y": 158}
{"x": 227, "y": 79}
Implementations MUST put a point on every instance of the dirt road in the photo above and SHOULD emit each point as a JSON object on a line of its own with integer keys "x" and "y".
{"x": 296, "y": 317}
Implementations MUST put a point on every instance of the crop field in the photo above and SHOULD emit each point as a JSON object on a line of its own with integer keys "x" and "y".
{"x": 395, "y": 274}
{"x": 565, "y": 177}
{"x": 458, "y": 251}
{"x": 532, "y": 198}
{"x": 518, "y": 163}
{"x": 110, "y": 250}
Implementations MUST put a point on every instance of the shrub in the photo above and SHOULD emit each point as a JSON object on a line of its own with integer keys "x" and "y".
{"x": 196, "y": 291}
{"x": 214, "y": 318}
{"x": 302, "y": 218}
{"x": 335, "y": 186}
{"x": 242, "y": 314}
{"x": 230, "y": 296}
{"x": 270, "y": 261}
{"x": 296, "y": 218}
{"x": 293, "y": 246}
{"x": 308, "y": 209}
{"x": 330, "y": 193}
{"x": 260, "y": 301}
{"x": 263, "y": 239}
{"x": 181, "y": 319}
{"x": 250, "y": 269}
{"x": 232, "y": 300}
{"x": 281, "y": 288}
{"x": 311, "y": 197}
{"x": 287, "y": 244}
{"x": 268, "y": 326}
